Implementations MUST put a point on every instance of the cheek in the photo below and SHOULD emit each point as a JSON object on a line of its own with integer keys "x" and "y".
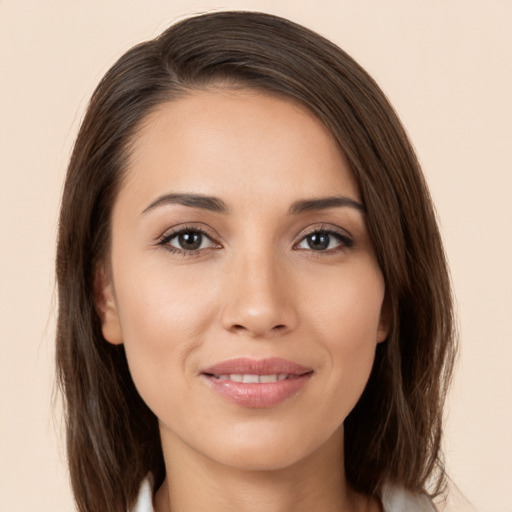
{"x": 347, "y": 318}
{"x": 347, "y": 307}
{"x": 163, "y": 316}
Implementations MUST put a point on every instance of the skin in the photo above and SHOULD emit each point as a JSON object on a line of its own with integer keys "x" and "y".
{"x": 255, "y": 288}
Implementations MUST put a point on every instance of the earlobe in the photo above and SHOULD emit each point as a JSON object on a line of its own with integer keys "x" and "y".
{"x": 382, "y": 333}
{"x": 384, "y": 321}
{"x": 104, "y": 301}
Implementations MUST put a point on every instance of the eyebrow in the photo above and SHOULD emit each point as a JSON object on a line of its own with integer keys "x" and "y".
{"x": 193, "y": 200}
{"x": 322, "y": 203}
{"x": 215, "y": 204}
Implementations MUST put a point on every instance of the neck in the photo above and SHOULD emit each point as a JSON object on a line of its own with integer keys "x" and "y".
{"x": 318, "y": 483}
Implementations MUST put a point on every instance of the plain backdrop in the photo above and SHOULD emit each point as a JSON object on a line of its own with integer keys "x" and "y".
{"x": 446, "y": 66}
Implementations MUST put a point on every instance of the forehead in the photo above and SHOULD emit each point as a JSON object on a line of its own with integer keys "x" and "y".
{"x": 230, "y": 143}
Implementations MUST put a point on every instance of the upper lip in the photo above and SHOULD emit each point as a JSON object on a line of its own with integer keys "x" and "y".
{"x": 270, "y": 366}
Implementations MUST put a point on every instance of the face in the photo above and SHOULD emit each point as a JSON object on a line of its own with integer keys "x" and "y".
{"x": 242, "y": 280}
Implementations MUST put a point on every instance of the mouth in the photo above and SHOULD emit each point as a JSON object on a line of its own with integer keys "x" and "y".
{"x": 257, "y": 383}
{"x": 252, "y": 378}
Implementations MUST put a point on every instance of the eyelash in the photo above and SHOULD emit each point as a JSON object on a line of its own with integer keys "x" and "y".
{"x": 167, "y": 237}
{"x": 343, "y": 238}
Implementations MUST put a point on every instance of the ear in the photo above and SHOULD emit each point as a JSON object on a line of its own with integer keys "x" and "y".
{"x": 104, "y": 301}
{"x": 384, "y": 320}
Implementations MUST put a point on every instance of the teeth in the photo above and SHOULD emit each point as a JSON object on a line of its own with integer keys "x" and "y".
{"x": 249, "y": 378}
{"x": 268, "y": 378}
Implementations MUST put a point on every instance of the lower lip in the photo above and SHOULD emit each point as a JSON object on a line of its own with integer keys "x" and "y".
{"x": 258, "y": 395}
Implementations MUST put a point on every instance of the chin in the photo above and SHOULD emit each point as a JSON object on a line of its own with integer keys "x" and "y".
{"x": 258, "y": 459}
{"x": 273, "y": 449}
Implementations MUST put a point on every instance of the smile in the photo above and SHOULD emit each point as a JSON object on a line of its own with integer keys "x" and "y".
{"x": 253, "y": 378}
{"x": 257, "y": 384}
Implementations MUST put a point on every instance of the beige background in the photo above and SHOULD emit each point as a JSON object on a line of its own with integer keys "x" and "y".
{"x": 446, "y": 66}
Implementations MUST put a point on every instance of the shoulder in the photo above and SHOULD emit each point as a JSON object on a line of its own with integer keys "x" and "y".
{"x": 398, "y": 499}
{"x": 144, "y": 502}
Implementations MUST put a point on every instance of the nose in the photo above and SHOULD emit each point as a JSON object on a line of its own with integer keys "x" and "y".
{"x": 259, "y": 298}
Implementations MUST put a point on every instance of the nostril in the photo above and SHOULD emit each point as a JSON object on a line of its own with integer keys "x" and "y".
{"x": 243, "y": 328}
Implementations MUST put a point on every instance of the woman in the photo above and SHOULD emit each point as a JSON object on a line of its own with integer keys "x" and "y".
{"x": 254, "y": 304}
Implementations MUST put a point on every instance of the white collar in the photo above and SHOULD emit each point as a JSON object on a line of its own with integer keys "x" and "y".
{"x": 144, "y": 501}
{"x": 399, "y": 499}
{"x": 394, "y": 499}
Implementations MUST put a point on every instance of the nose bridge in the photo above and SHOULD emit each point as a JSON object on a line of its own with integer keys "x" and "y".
{"x": 258, "y": 302}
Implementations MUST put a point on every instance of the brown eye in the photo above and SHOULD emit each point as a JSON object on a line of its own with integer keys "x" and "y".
{"x": 319, "y": 241}
{"x": 323, "y": 240}
{"x": 187, "y": 240}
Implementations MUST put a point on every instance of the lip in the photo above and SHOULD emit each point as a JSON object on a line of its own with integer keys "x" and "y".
{"x": 257, "y": 395}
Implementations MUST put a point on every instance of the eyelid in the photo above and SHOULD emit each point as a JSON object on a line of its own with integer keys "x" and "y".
{"x": 346, "y": 239}
{"x": 170, "y": 233}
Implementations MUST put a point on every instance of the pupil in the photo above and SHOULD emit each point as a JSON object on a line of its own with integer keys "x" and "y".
{"x": 190, "y": 240}
{"x": 318, "y": 241}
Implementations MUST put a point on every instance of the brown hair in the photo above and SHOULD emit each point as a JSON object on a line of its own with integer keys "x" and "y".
{"x": 394, "y": 432}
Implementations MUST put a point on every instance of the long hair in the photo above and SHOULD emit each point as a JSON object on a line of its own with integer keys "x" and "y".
{"x": 394, "y": 432}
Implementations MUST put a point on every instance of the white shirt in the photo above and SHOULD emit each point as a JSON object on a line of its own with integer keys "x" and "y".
{"x": 394, "y": 499}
